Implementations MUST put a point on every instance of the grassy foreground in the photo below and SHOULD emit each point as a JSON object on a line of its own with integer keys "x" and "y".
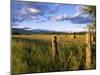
{"x": 32, "y": 53}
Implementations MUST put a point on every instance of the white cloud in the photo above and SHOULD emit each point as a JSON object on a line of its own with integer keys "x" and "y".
{"x": 77, "y": 18}
{"x": 33, "y": 17}
{"x": 33, "y": 10}
{"x": 56, "y": 17}
{"x": 76, "y": 14}
{"x": 23, "y": 11}
{"x": 60, "y": 17}
{"x": 28, "y": 10}
{"x": 65, "y": 16}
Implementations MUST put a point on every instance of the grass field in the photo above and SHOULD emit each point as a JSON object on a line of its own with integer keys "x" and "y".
{"x": 32, "y": 53}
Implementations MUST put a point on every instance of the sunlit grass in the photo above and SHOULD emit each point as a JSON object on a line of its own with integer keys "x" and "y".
{"x": 32, "y": 53}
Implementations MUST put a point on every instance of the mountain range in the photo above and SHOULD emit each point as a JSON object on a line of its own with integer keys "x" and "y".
{"x": 36, "y": 31}
{"x": 27, "y": 31}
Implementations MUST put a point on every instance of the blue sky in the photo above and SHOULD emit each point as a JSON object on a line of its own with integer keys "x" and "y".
{"x": 49, "y": 16}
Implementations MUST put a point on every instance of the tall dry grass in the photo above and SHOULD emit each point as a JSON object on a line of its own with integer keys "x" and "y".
{"x": 32, "y": 54}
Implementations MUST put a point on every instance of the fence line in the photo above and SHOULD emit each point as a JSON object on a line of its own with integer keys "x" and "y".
{"x": 89, "y": 40}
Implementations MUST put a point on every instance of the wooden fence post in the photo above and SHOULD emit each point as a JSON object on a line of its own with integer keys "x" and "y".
{"x": 54, "y": 48}
{"x": 92, "y": 38}
{"x": 88, "y": 50}
{"x": 74, "y": 36}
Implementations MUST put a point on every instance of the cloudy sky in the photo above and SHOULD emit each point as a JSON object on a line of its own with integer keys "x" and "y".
{"x": 49, "y": 16}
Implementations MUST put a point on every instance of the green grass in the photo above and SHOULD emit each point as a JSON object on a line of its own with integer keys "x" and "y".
{"x": 32, "y": 54}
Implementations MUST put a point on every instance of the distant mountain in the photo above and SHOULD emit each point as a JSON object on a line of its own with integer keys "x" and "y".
{"x": 26, "y": 31}
{"x": 20, "y": 31}
{"x": 41, "y": 30}
{"x": 35, "y": 31}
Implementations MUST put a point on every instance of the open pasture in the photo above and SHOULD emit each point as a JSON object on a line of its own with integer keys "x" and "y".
{"x": 32, "y": 53}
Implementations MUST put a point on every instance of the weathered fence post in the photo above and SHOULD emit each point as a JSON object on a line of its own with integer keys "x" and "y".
{"x": 54, "y": 48}
{"x": 92, "y": 38}
{"x": 88, "y": 50}
{"x": 74, "y": 36}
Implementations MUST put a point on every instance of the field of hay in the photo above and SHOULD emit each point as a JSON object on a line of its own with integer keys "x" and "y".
{"x": 32, "y": 53}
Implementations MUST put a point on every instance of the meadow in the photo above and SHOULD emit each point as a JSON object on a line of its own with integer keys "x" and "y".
{"x": 32, "y": 53}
